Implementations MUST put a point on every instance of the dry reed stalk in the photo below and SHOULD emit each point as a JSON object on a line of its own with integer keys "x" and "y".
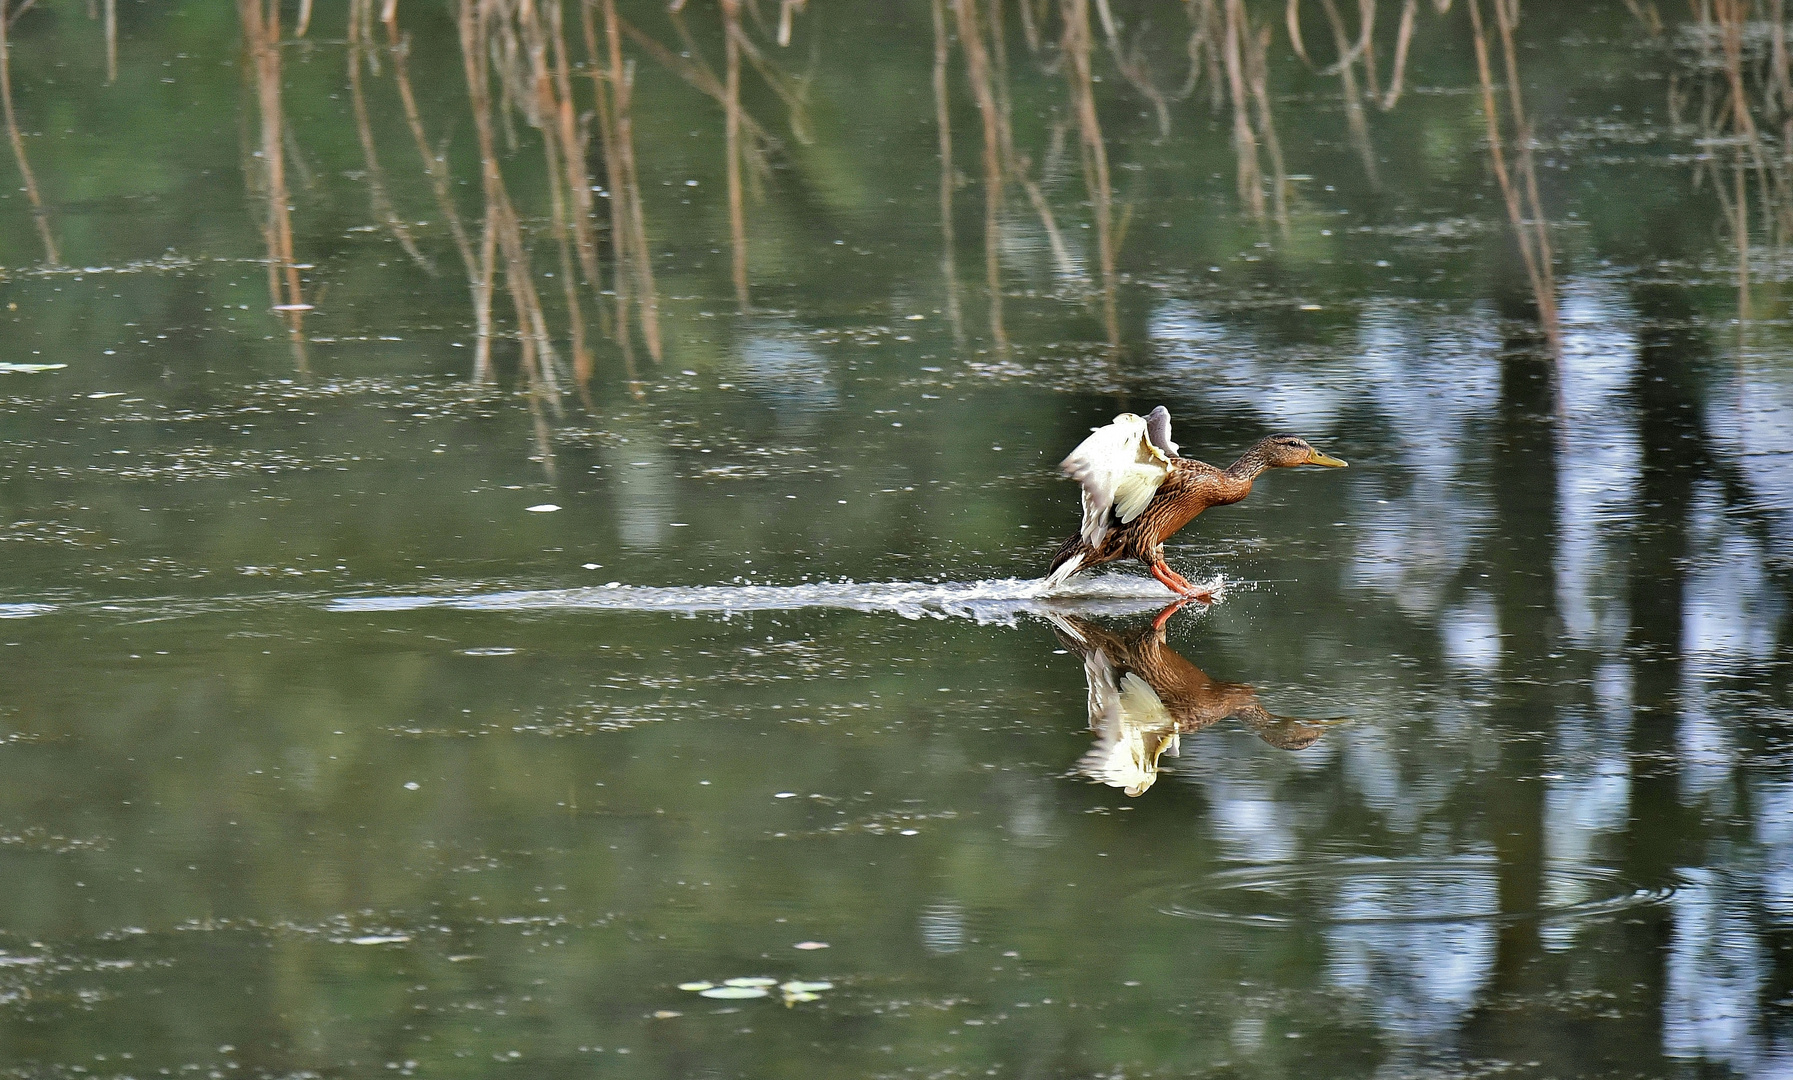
{"x": 1133, "y": 69}
{"x": 284, "y": 289}
{"x": 737, "y": 214}
{"x": 977, "y": 66}
{"x": 1207, "y": 32}
{"x": 381, "y": 203}
{"x": 943, "y": 124}
{"x": 1779, "y": 97}
{"x": 111, "y": 9}
{"x": 1403, "y": 39}
{"x": 621, "y": 241}
{"x": 1532, "y": 237}
{"x": 613, "y": 84}
{"x": 480, "y": 26}
{"x": 797, "y": 108}
{"x": 1030, "y": 27}
{"x": 1647, "y": 14}
{"x": 1257, "y": 71}
{"x": 435, "y": 167}
{"x": 1016, "y": 166}
{"x": 1075, "y": 47}
{"x": 1245, "y": 141}
{"x": 484, "y": 286}
{"x": 538, "y": 27}
{"x": 1355, "y": 121}
{"x": 1731, "y": 15}
{"x": 694, "y": 71}
{"x": 39, "y": 215}
{"x": 1506, "y": 14}
{"x": 1366, "y": 44}
{"x": 572, "y": 145}
{"x": 786, "y": 11}
{"x": 1292, "y": 18}
{"x": 261, "y": 30}
{"x": 1741, "y": 226}
{"x": 544, "y": 443}
{"x": 999, "y": 67}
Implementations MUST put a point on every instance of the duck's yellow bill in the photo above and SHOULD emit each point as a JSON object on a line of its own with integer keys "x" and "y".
{"x": 1326, "y": 459}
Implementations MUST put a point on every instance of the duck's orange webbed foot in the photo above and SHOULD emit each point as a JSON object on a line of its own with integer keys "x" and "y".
{"x": 1177, "y": 583}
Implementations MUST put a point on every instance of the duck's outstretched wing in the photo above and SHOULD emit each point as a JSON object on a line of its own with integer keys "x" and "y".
{"x": 1120, "y": 470}
{"x": 1158, "y": 430}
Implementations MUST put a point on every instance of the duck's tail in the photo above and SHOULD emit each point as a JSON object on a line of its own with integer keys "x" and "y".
{"x": 1073, "y": 555}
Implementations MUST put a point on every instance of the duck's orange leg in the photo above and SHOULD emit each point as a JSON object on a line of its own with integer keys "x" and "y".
{"x": 1177, "y": 583}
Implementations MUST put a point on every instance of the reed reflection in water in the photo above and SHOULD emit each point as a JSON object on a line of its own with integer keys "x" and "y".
{"x": 39, "y": 214}
{"x": 1144, "y": 695}
{"x": 518, "y": 64}
{"x": 265, "y": 168}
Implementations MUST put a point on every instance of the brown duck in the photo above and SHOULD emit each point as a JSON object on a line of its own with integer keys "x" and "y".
{"x": 1138, "y": 491}
{"x": 1143, "y": 695}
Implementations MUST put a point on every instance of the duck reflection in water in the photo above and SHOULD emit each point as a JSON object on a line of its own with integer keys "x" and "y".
{"x": 1143, "y": 695}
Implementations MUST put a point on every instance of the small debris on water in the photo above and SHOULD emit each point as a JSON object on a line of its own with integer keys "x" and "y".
{"x": 542, "y": 508}
{"x": 810, "y": 945}
{"x": 734, "y": 992}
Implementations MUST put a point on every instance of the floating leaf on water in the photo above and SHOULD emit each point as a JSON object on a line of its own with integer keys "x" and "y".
{"x": 806, "y": 945}
{"x": 666, "y": 1014}
{"x": 798, "y": 987}
{"x": 696, "y": 985}
{"x": 734, "y": 992}
{"x": 750, "y": 981}
{"x": 792, "y": 999}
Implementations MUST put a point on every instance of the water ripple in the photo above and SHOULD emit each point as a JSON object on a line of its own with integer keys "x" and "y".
{"x": 999, "y": 600}
{"x": 1401, "y": 890}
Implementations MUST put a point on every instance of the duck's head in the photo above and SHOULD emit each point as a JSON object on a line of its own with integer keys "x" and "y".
{"x": 1283, "y": 451}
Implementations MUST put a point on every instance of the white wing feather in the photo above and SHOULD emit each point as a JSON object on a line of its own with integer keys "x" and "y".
{"x": 1119, "y": 470}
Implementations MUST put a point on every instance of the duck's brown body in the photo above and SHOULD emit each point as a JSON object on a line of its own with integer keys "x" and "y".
{"x": 1189, "y": 487}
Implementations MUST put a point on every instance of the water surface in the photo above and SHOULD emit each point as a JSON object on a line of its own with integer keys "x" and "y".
{"x": 384, "y": 698}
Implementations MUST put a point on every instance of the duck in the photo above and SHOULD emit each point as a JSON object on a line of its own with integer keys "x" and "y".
{"x": 1138, "y": 490}
{"x": 1144, "y": 695}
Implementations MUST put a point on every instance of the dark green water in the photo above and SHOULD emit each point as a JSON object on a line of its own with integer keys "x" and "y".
{"x": 325, "y": 754}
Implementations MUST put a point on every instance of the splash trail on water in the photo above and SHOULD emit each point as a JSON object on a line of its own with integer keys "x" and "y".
{"x": 999, "y": 600}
